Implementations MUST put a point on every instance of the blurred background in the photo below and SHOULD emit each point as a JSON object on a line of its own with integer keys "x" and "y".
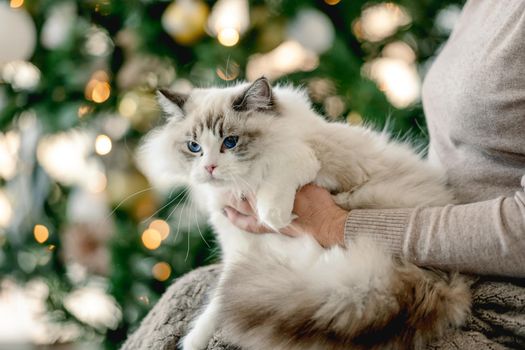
{"x": 86, "y": 245}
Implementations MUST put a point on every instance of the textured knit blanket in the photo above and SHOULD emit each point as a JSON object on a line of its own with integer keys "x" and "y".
{"x": 497, "y": 320}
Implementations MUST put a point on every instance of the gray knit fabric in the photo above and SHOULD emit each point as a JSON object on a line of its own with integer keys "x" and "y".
{"x": 497, "y": 322}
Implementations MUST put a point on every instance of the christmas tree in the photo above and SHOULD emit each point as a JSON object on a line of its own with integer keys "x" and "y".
{"x": 81, "y": 230}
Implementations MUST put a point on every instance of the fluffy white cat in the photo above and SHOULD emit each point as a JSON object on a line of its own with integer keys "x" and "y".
{"x": 278, "y": 292}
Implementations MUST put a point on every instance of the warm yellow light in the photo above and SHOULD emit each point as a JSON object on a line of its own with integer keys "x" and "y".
{"x": 161, "y": 271}
{"x": 16, "y": 3}
{"x": 83, "y": 110}
{"x": 103, "y": 144}
{"x": 98, "y": 88}
{"x": 151, "y": 239}
{"x": 41, "y": 233}
{"x": 161, "y": 227}
{"x": 128, "y": 106}
{"x": 101, "y": 92}
{"x": 228, "y": 36}
{"x": 332, "y": 2}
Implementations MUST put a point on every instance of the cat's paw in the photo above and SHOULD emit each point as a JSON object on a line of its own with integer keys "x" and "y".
{"x": 276, "y": 218}
{"x": 344, "y": 200}
{"x": 195, "y": 341}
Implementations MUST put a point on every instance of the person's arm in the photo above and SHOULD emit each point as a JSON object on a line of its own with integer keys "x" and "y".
{"x": 483, "y": 238}
{"x": 317, "y": 215}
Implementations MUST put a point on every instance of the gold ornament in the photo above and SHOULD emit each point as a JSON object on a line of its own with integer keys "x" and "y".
{"x": 184, "y": 20}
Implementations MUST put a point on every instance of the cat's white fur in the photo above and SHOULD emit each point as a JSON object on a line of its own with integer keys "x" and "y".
{"x": 294, "y": 146}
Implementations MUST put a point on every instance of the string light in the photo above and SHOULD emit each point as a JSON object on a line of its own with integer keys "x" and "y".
{"x": 151, "y": 239}
{"x": 228, "y": 20}
{"x": 161, "y": 271}
{"x": 103, "y": 144}
{"x": 41, "y": 233}
{"x": 288, "y": 57}
{"x": 161, "y": 227}
{"x": 332, "y": 2}
{"x": 101, "y": 92}
{"x": 228, "y": 37}
{"x": 398, "y": 79}
{"x": 16, "y": 3}
{"x": 84, "y": 110}
{"x": 98, "y": 89}
{"x": 380, "y": 21}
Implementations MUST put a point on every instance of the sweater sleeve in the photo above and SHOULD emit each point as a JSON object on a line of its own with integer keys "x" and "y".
{"x": 483, "y": 238}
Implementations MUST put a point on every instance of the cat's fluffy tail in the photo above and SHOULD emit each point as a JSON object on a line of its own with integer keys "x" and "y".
{"x": 345, "y": 299}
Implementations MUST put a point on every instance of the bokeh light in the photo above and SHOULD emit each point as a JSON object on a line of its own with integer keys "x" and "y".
{"x": 289, "y": 57}
{"x": 161, "y": 271}
{"x": 16, "y": 3}
{"x": 98, "y": 89}
{"x": 380, "y": 21}
{"x": 228, "y": 20}
{"x": 103, "y": 144}
{"x": 228, "y": 36}
{"x": 396, "y": 78}
{"x": 22, "y": 75}
{"x": 151, "y": 239}
{"x": 83, "y": 110}
{"x": 161, "y": 227}
{"x": 41, "y": 233}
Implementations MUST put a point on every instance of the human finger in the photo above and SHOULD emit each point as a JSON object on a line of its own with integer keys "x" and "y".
{"x": 247, "y": 223}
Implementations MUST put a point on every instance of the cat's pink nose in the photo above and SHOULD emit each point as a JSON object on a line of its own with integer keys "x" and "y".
{"x": 210, "y": 168}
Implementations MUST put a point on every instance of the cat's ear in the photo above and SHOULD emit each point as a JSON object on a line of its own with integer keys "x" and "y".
{"x": 172, "y": 103}
{"x": 257, "y": 97}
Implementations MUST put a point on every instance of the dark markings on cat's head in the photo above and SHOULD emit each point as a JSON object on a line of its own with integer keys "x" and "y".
{"x": 257, "y": 97}
{"x": 172, "y": 103}
{"x": 209, "y": 121}
{"x": 243, "y": 149}
{"x": 178, "y": 98}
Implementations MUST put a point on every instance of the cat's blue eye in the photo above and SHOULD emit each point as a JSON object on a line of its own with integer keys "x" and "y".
{"x": 230, "y": 141}
{"x": 194, "y": 146}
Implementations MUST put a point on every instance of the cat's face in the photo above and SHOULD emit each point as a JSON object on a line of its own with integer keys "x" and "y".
{"x": 212, "y": 136}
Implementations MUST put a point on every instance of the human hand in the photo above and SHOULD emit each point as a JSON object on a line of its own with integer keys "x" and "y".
{"x": 317, "y": 215}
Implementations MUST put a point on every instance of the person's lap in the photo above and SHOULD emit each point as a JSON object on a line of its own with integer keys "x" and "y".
{"x": 498, "y": 316}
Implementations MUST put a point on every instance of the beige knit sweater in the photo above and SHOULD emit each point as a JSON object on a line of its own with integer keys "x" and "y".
{"x": 474, "y": 101}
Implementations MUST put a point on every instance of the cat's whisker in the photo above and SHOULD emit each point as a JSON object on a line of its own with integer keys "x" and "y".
{"x": 195, "y": 216}
{"x": 180, "y": 215}
{"x": 126, "y": 199}
{"x": 183, "y": 202}
{"x": 171, "y": 192}
{"x": 164, "y": 206}
{"x": 187, "y": 250}
{"x": 191, "y": 225}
